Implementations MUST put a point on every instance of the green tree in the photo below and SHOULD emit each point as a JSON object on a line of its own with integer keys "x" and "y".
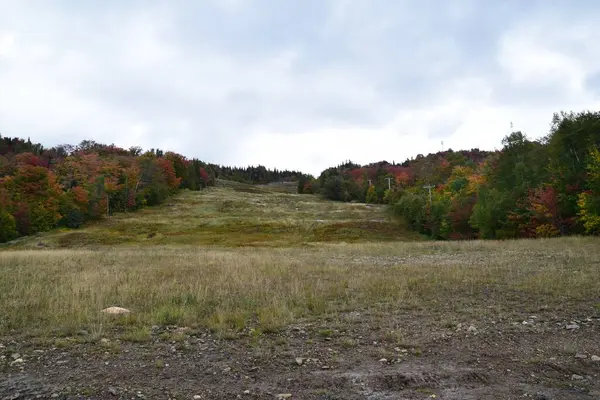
{"x": 371, "y": 195}
{"x": 8, "y": 227}
{"x": 490, "y": 213}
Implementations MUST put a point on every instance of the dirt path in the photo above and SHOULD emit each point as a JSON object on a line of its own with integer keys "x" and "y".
{"x": 356, "y": 357}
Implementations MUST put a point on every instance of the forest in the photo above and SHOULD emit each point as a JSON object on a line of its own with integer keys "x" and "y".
{"x": 68, "y": 185}
{"x": 530, "y": 188}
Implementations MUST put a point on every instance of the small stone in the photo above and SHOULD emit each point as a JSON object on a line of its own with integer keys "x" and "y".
{"x": 572, "y": 327}
{"x": 471, "y": 328}
{"x": 524, "y": 322}
{"x": 284, "y": 395}
{"x": 227, "y": 369}
{"x": 15, "y": 356}
{"x": 246, "y": 392}
{"x": 383, "y": 360}
{"x": 299, "y": 360}
{"x": 197, "y": 397}
{"x": 112, "y": 390}
{"x": 595, "y": 358}
{"x": 104, "y": 341}
{"x": 116, "y": 310}
{"x": 325, "y": 367}
{"x": 17, "y": 361}
{"x": 579, "y": 355}
{"x": 54, "y": 395}
{"x": 576, "y": 377}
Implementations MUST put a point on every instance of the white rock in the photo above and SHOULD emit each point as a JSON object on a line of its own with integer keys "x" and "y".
{"x": 579, "y": 355}
{"x": 576, "y": 377}
{"x": 572, "y": 326}
{"x": 383, "y": 360}
{"x": 471, "y": 329}
{"x": 17, "y": 361}
{"x": 284, "y": 395}
{"x": 197, "y": 397}
{"x": 299, "y": 360}
{"x": 595, "y": 358}
{"x": 116, "y": 310}
{"x": 246, "y": 392}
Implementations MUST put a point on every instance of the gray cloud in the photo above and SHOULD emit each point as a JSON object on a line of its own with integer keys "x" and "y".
{"x": 293, "y": 84}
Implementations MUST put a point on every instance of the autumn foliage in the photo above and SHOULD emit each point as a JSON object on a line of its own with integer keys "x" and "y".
{"x": 67, "y": 185}
{"x": 530, "y": 188}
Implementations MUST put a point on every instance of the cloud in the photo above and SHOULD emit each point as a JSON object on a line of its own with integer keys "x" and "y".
{"x": 301, "y": 85}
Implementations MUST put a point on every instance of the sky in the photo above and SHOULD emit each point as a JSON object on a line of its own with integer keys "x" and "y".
{"x": 290, "y": 84}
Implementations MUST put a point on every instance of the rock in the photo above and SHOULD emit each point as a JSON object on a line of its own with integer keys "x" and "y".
{"x": 284, "y": 395}
{"x": 595, "y": 358}
{"x": 104, "y": 341}
{"x": 17, "y": 361}
{"x": 54, "y": 395}
{"x": 15, "y": 356}
{"x": 116, "y": 310}
{"x": 383, "y": 360}
{"x": 112, "y": 390}
{"x": 579, "y": 355}
{"x": 471, "y": 328}
{"x": 299, "y": 360}
{"x": 246, "y": 392}
{"x": 572, "y": 327}
{"x": 197, "y": 397}
{"x": 155, "y": 327}
{"x": 576, "y": 377}
{"x": 524, "y": 322}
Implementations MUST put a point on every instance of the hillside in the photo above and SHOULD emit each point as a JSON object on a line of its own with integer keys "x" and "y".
{"x": 247, "y": 291}
{"x": 530, "y": 188}
{"x": 235, "y": 214}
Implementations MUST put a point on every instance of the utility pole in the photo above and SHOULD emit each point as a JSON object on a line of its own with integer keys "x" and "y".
{"x": 389, "y": 179}
{"x": 429, "y": 187}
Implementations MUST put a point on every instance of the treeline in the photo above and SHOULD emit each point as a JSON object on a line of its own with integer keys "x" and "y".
{"x": 530, "y": 188}
{"x": 259, "y": 175}
{"x": 69, "y": 185}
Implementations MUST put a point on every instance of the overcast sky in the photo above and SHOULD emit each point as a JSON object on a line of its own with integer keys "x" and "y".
{"x": 294, "y": 84}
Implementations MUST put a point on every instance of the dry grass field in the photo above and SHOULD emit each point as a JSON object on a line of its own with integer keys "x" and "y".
{"x": 251, "y": 292}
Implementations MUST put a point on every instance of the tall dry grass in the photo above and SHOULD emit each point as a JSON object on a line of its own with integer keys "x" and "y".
{"x": 222, "y": 289}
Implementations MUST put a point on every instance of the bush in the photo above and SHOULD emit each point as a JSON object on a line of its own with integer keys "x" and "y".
{"x": 8, "y": 227}
{"x": 73, "y": 218}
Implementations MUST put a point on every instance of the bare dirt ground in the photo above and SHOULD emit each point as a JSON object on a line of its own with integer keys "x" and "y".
{"x": 480, "y": 359}
{"x": 365, "y": 319}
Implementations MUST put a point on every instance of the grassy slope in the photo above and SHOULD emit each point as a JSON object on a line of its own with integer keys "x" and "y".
{"x": 273, "y": 258}
{"x": 237, "y": 215}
